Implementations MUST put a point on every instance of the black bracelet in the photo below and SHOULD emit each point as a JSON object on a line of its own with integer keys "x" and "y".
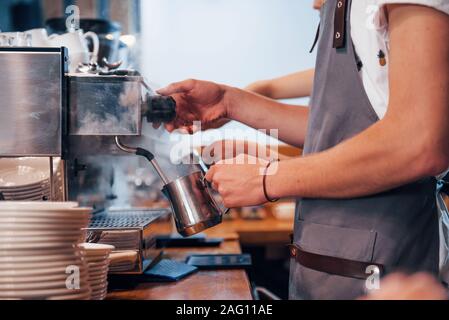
{"x": 265, "y": 182}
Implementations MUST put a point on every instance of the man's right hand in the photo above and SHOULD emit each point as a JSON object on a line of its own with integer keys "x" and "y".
{"x": 197, "y": 101}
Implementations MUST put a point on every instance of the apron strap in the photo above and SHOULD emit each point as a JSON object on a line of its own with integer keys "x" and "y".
{"x": 317, "y": 37}
{"x": 340, "y": 24}
{"x": 333, "y": 265}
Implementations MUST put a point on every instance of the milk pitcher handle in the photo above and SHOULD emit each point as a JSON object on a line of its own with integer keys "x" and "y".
{"x": 213, "y": 195}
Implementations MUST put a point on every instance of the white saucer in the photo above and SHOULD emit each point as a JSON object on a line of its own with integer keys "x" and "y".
{"x": 26, "y": 192}
{"x": 34, "y": 273}
{"x": 62, "y": 275}
{"x": 44, "y": 227}
{"x": 38, "y": 253}
{"x": 24, "y": 171}
{"x": 37, "y": 206}
{"x": 56, "y": 284}
{"x": 25, "y": 195}
{"x": 41, "y": 293}
{"x": 21, "y": 176}
{"x": 37, "y": 242}
{"x": 66, "y": 214}
{"x": 36, "y": 186}
{"x": 84, "y": 295}
{"x": 38, "y": 259}
{"x": 42, "y": 265}
{"x": 33, "y": 245}
{"x": 41, "y": 233}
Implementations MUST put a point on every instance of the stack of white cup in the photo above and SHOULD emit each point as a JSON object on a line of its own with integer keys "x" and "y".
{"x": 97, "y": 257}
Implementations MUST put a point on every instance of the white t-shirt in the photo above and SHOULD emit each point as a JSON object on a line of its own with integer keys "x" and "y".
{"x": 370, "y": 37}
{"x": 369, "y": 34}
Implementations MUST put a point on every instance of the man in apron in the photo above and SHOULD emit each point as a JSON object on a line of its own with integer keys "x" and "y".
{"x": 368, "y": 229}
{"x": 347, "y": 233}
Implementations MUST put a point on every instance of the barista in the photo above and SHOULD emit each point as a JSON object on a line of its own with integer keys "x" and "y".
{"x": 366, "y": 181}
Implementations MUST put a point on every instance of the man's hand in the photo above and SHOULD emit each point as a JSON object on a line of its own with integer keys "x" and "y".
{"x": 214, "y": 105}
{"x": 240, "y": 184}
{"x": 197, "y": 101}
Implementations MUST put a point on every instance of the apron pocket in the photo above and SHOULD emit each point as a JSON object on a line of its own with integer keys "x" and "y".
{"x": 345, "y": 243}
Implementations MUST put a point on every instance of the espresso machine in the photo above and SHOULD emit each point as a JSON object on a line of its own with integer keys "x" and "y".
{"x": 88, "y": 119}
{"x": 47, "y": 112}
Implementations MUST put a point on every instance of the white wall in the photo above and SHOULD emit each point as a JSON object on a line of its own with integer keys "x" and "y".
{"x": 229, "y": 41}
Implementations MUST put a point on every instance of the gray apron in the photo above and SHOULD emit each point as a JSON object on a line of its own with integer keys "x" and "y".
{"x": 397, "y": 229}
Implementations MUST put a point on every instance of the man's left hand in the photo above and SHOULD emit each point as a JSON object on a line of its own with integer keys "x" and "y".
{"x": 239, "y": 181}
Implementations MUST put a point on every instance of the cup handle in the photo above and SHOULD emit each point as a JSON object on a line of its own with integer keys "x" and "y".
{"x": 96, "y": 44}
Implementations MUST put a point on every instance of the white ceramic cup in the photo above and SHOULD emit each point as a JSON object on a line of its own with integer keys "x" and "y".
{"x": 39, "y": 37}
{"x": 76, "y": 43}
{"x": 4, "y": 40}
{"x": 15, "y": 39}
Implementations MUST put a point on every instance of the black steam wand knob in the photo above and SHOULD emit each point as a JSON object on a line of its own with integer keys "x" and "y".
{"x": 160, "y": 109}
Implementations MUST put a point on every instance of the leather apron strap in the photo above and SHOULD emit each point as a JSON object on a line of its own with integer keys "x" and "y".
{"x": 340, "y": 24}
{"x": 333, "y": 265}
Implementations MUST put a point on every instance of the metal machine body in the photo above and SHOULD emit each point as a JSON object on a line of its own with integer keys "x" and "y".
{"x": 32, "y": 99}
{"x": 46, "y": 112}
{"x": 117, "y": 102}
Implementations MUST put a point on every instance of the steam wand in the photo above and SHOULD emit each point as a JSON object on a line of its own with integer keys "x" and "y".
{"x": 146, "y": 154}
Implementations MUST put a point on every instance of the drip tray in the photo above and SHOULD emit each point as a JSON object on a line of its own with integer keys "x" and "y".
{"x": 132, "y": 231}
{"x": 125, "y": 219}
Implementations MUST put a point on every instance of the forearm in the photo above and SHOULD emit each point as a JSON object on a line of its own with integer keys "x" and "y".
{"x": 373, "y": 162}
{"x": 262, "y": 113}
{"x": 295, "y": 85}
{"x": 410, "y": 143}
{"x": 230, "y": 149}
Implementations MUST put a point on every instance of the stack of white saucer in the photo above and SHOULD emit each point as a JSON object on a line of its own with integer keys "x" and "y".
{"x": 28, "y": 179}
{"x": 97, "y": 258}
{"x": 39, "y": 254}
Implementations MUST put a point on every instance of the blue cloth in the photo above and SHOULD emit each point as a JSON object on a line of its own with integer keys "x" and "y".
{"x": 169, "y": 271}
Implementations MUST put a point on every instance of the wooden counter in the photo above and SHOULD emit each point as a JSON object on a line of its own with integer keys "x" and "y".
{"x": 269, "y": 231}
{"x": 214, "y": 285}
{"x": 204, "y": 285}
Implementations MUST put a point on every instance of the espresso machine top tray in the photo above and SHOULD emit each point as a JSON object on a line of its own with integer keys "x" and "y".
{"x": 126, "y": 219}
